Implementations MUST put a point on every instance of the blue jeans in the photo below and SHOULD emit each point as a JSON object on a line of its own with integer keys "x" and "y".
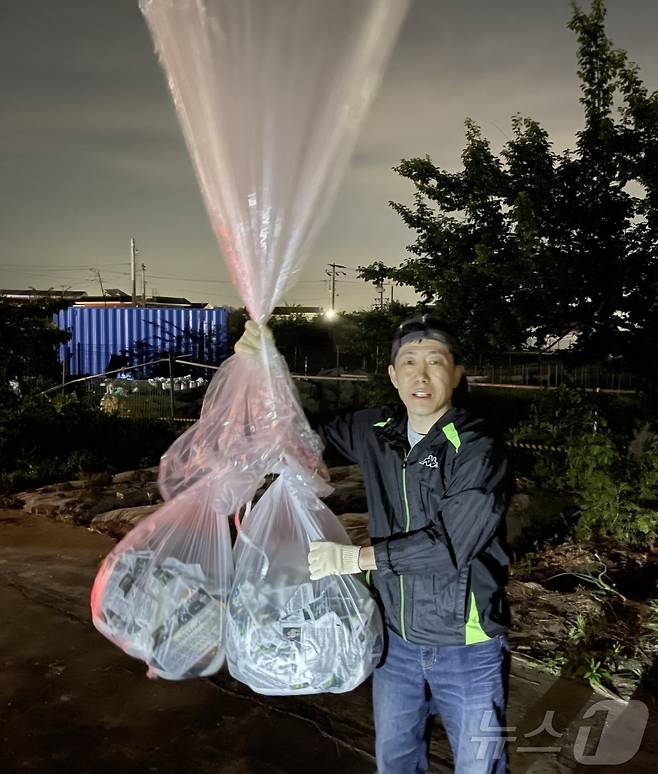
{"x": 464, "y": 684}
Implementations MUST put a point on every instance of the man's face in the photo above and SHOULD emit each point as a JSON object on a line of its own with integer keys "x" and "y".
{"x": 425, "y": 376}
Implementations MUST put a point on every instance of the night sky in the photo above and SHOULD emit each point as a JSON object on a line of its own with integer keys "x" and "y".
{"x": 91, "y": 152}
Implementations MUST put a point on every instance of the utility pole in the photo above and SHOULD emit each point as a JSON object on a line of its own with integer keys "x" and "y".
{"x": 133, "y": 270}
{"x": 144, "y": 285}
{"x": 100, "y": 282}
{"x": 380, "y": 292}
{"x": 333, "y": 273}
{"x": 380, "y": 288}
{"x": 171, "y": 384}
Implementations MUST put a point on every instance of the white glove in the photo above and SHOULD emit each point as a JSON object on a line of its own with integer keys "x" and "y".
{"x": 326, "y": 558}
{"x": 251, "y": 341}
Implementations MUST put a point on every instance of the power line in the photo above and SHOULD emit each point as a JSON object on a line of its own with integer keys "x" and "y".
{"x": 31, "y": 273}
{"x": 55, "y": 266}
{"x": 189, "y": 279}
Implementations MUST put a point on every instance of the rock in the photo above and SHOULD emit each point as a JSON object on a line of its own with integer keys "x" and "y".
{"x": 96, "y": 480}
{"x": 356, "y": 526}
{"x": 120, "y": 521}
{"x": 342, "y": 473}
{"x": 78, "y": 502}
{"x": 146, "y": 494}
{"x": 11, "y": 502}
{"x": 134, "y": 476}
{"x": 71, "y": 486}
{"x": 126, "y": 477}
{"x": 88, "y": 509}
{"x": 52, "y": 504}
{"x": 349, "y": 492}
{"x": 347, "y": 498}
{"x": 51, "y": 507}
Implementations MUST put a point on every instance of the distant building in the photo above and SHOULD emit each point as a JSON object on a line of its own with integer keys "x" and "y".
{"x": 113, "y": 298}
{"x": 297, "y": 311}
{"x": 31, "y": 294}
{"x": 116, "y": 298}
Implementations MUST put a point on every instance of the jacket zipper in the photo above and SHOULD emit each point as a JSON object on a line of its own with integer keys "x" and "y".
{"x": 403, "y": 629}
{"x": 465, "y": 601}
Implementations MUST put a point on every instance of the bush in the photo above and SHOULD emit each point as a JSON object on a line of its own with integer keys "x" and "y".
{"x": 377, "y": 391}
{"x": 616, "y": 491}
{"x": 501, "y": 408}
{"x": 43, "y": 440}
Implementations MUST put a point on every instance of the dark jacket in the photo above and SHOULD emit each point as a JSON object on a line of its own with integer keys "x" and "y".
{"x": 436, "y": 515}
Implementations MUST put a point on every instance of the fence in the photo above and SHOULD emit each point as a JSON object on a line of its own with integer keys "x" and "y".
{"x": 178, "y": 397}
{"x": 552, "y": 374}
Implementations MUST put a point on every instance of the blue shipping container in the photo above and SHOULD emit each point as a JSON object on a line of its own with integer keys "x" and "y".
{"x": 140, "y": 334}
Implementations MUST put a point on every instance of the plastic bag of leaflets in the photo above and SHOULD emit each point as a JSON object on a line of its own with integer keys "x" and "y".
{"x": 286, "y": 634}
{"x": 161, "y": 594}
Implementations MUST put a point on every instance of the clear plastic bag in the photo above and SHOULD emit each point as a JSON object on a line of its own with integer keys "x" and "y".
{"x": 288, "y": 635}
{"x": 251, "y": 418}
{"x": 161, "y": 594}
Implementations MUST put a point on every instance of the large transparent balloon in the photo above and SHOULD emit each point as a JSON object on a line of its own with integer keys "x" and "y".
{"x": 270, "y": 95}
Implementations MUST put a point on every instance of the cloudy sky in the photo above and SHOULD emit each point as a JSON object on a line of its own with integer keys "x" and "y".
{"x": 91, "y": 152}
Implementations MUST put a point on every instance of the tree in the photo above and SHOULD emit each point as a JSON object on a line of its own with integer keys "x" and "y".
{"x": 531, "y": 242}
{"x": 368, "y": 332}
{"x": 29, "y": 340}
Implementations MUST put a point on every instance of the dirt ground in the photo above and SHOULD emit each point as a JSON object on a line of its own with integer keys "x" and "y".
{"x": 72, "y": 702}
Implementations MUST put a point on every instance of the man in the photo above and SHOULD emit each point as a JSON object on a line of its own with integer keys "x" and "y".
{"x": 436, "y": 485}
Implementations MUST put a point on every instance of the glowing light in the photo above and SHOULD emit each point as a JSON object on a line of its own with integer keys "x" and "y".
{"x": 331, "y": 314}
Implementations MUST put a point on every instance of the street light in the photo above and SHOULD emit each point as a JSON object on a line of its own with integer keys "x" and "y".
{"x": 331, "y": 315}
